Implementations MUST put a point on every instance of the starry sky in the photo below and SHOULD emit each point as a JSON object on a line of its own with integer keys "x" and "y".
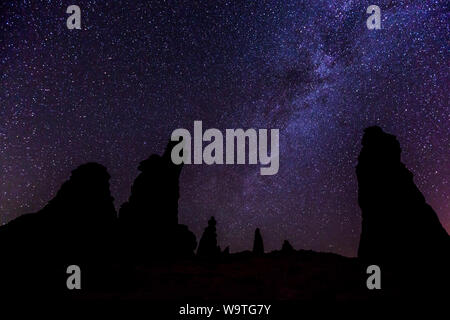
{"x": 114, "y": 91}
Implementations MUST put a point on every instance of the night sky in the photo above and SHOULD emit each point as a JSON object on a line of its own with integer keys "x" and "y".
{"x": 114, "y": 91}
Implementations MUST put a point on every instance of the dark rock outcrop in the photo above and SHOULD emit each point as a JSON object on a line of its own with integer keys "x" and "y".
{"x": 397, "y": 224}
{"x": 208, "y": 247}
{"x": 287, "y": 247}
{"x": 258, "y": 246}
{"x": 149, "y": 219}
{"x": 79, "y": 218}
{"x": 226, "y": 251}
{"x": 75, "y": 227}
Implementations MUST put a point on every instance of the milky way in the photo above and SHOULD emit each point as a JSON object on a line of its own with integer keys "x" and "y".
{"x": 114, "y": 91}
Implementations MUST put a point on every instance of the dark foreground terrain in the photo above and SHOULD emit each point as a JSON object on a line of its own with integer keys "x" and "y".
{"x": 276, "y": 276}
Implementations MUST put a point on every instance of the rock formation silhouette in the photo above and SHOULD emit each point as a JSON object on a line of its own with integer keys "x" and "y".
{"x": 258, "y": 246}
{"x": 399, "y": 229}
{"x": 287, "y": 247}
{"x": 75, "y": 227}
{"x": 397, "y": 223}
{"x": 81, "y": 216}
{"x": 226, "y": 251}
{"x": 149, "y": 219}
{"x": 208, "y": 247}
{"x": 400, "y": 232}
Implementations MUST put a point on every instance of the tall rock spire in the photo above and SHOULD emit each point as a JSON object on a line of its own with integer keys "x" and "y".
{"x": 398, "y": 226}
{"x": 149, "y": 219}
{"x": 258, "y": 246}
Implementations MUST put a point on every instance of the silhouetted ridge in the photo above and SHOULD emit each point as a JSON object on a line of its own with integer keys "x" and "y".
{"x": 149, "y": 219}
{"x": 398, "y": 226}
